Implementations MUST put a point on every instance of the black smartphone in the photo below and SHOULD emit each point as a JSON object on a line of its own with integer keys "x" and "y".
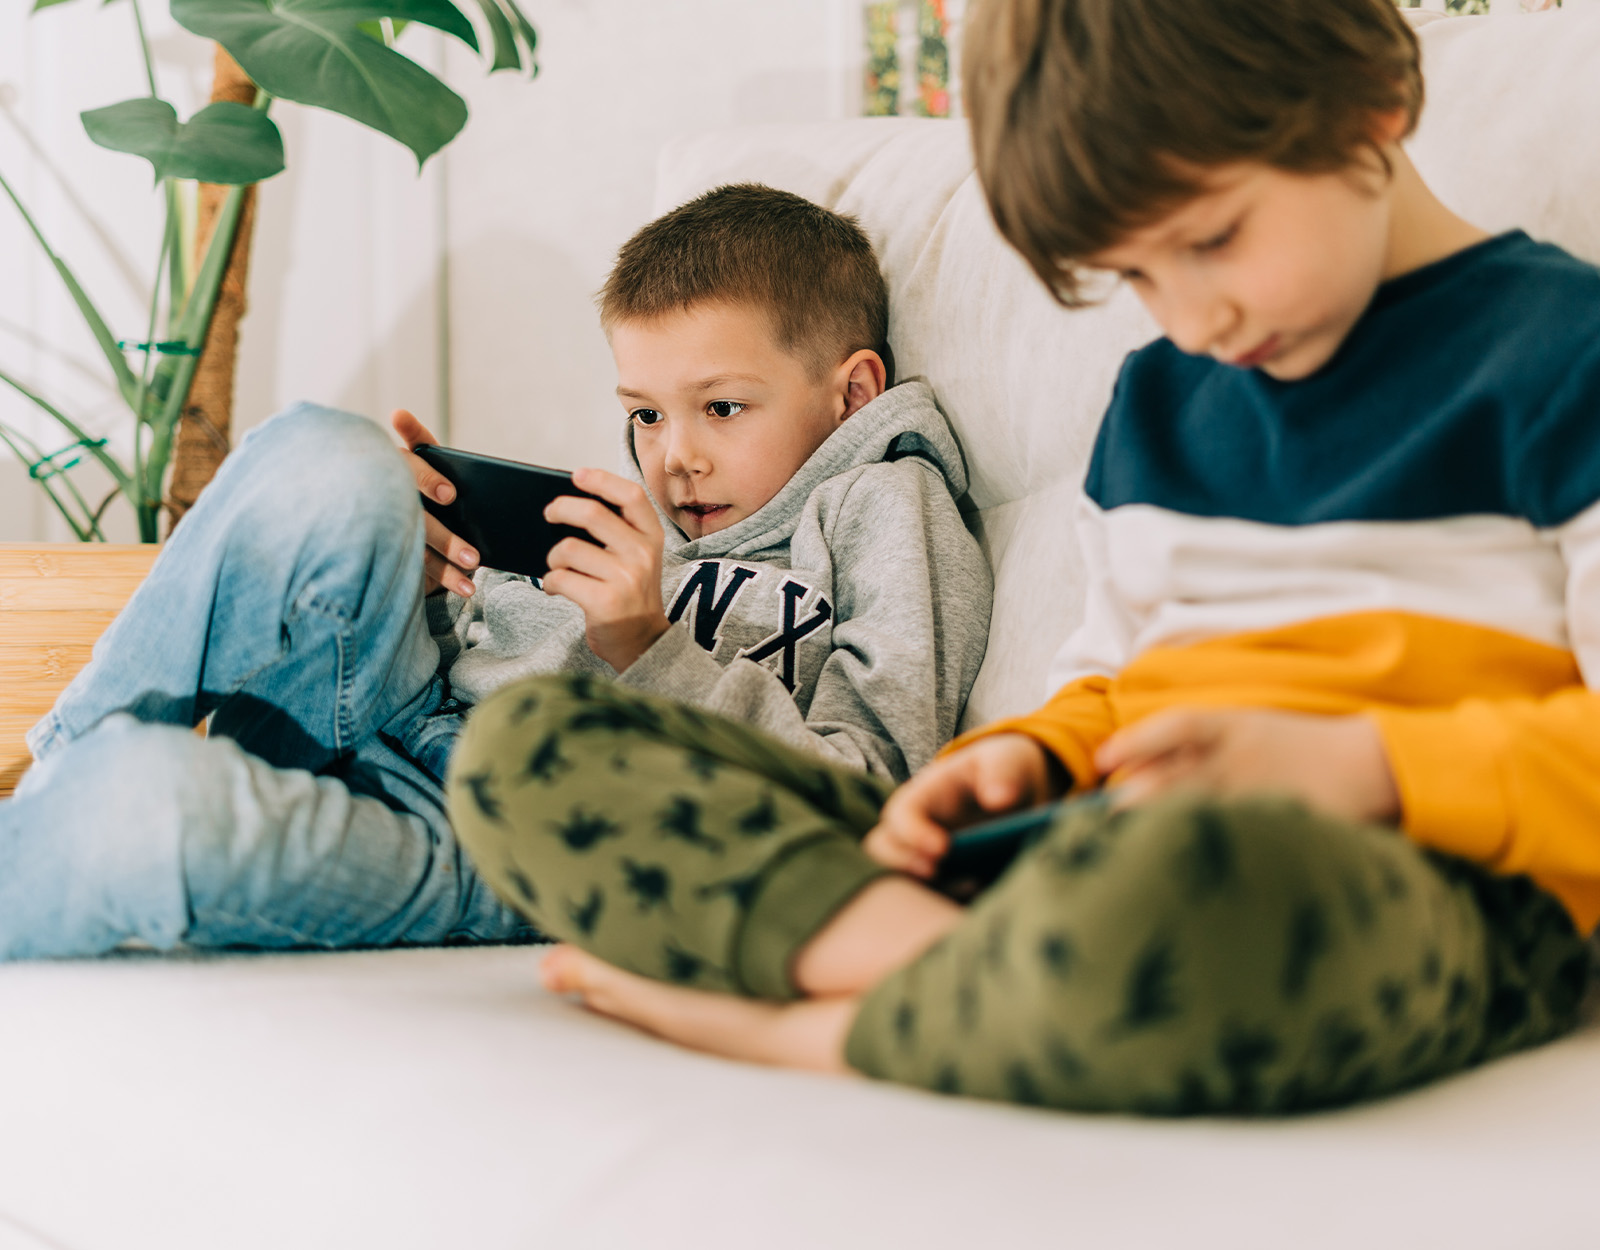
{"x": 979, "y": 855}
{"x": 499, "y": 507}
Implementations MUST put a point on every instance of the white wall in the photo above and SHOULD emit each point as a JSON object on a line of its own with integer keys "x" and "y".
{"x": 552, "y": 176}
{"x": 547, "y": 180}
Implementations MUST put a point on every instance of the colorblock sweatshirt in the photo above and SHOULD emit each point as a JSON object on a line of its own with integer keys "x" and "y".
{"x": 1411, "y": 533}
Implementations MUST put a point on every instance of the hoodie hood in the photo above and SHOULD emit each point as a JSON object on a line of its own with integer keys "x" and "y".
{"x": 903, "y": 421}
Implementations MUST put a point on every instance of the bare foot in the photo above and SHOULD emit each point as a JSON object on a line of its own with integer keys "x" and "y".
{"x": 808, "y": 1034}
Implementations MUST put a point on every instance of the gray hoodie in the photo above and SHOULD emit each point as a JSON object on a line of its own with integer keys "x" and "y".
{"x": 847, "y": 616}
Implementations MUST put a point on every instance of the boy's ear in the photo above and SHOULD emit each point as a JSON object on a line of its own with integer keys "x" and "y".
{"x": 865, "y": 378}
{"x": 1390, "y": 127}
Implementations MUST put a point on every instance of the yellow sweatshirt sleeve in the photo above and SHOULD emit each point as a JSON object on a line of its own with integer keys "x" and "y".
{"x": 1512, "y": 784}
{"x": 1071, "y": 726}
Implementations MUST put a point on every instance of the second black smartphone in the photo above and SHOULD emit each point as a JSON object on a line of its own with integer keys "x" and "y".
{"x": 979, "y": 855}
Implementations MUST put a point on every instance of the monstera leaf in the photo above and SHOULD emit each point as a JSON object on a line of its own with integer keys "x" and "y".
{"x": 315, "y": 52}
{"x": 506, "y": 22}
{"x": 224, "y": 143}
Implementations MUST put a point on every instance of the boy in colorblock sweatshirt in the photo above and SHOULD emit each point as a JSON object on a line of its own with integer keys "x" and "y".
{"x": 1332, "y": 711}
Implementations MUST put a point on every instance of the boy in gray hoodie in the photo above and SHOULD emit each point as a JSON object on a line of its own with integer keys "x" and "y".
{"x": 790, "y": 511}
{"x": 786, "y": 551}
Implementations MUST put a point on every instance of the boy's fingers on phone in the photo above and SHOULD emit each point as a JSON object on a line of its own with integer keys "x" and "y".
{"x": 578, "y": 556}
{"x": 440, "y": 572}
{"x": 598, "y": 521}
{"x": 952, "y": 800}
{"x": 589, "y": 594}
{"x": 410, "y": 430}
{"x": 915, "y": 815}
{"x": 884, "y": 843}
{"x": 1000, "y": 791}
{"x": 629, "y": 496}
{"x": 429, "y": 480}
{"x": 894, "y": 854}
{"x": 448, "y": 544}
{"x": 611, "y": 487}
{"x": 555, "y": 583}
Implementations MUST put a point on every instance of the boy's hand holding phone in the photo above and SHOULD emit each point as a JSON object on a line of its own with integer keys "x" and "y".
{"x": 986, "y": 779}
{"x": 1335, "y": 764}
{"x": 616, "y": 579}
{"x": 447, "y": 561}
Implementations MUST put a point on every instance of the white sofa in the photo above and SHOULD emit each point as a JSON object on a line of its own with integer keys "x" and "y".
{"x": 439, "y": 1098}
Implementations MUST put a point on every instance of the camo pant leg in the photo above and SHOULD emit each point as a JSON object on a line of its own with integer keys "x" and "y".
{"x": 666, "y": 840}
{"x": 1224, "y": 957}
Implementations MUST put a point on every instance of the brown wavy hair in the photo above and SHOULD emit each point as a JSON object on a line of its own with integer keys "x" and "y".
{"x": 1093, "y": 118}
{"x": 812, "y": 270}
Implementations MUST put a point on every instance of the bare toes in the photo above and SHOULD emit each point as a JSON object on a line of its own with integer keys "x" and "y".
{"x": 561, "y": 970}
{"x": 600, "y": 986}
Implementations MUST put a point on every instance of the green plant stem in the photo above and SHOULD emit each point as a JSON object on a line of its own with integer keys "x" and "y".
{"x": 10, "y": 438}
{"x": 88, "y": 513}
{"x": 143, "y": 393}
{"x": 144, "y": 48}
{"x": 169, "y": 243}
{"x": 146, "y": 514}
{"x": 138, "y": 468}
{"x": 177, "y": 257}
{"x": 192, "y": 329}
{"x": 104, "y": 504}
{"x": 124, "y": 482}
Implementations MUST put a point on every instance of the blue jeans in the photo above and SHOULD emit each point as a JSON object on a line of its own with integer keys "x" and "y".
{"x": 288, "y": 608}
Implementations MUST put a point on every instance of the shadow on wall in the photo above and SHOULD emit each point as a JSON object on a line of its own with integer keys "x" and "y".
{"x": 531, "y": 375}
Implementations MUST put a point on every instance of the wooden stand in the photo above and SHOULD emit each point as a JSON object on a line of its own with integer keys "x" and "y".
{"x": 55, "y": 601}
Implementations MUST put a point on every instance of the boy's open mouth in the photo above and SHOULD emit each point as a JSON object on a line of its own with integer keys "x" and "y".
{"x": 705, "y": 511}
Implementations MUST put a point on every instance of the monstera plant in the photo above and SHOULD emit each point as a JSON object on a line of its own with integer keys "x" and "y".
{"x": 337, "y": 55}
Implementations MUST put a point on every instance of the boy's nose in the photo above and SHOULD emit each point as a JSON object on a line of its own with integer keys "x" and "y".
{"x": 1202, "y": 328}
{"x": 684, "y": 457}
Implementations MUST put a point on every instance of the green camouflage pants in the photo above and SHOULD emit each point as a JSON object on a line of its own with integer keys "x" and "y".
{"x": 1183, "y": 957}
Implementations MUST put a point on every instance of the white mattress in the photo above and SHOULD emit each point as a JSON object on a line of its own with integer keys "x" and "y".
{"x": 434, "y": 1098}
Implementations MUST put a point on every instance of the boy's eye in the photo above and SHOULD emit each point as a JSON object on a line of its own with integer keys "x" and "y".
{"x": 645, "y": 416}
{"x": 1218, "y": 241}
{"x": 724, "y": 408}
